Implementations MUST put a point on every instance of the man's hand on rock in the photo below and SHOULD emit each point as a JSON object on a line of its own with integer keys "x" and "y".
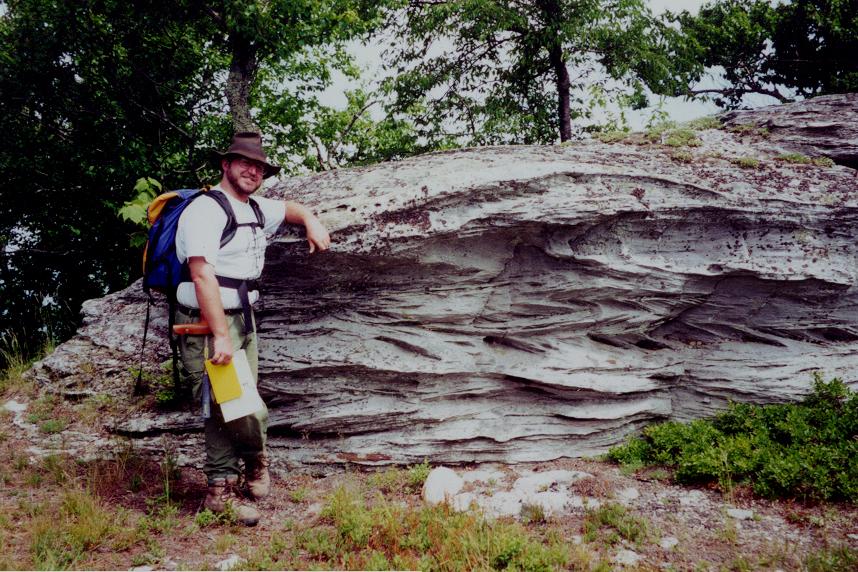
{"x": 317, "y": 235}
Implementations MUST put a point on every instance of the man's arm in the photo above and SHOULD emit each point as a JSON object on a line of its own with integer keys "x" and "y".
{"x": 317, "y": 234}
{"x": 211, "y": 307}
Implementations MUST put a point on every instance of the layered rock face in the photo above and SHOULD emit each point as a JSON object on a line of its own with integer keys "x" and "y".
{"x": 529, "y": 303}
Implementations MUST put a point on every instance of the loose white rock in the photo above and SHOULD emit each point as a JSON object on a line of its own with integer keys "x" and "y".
{"x": 740, "y": 513}
{"x": 668, "y": 542}
{"x": 626, "y": 557}
{"x": 692, "y": 498}
{"x": 230, "y": 562}
{"x": 442, "y": 485}
{"x": 14, "y": 406}
{"x": 542, "y": 481}
{"x": 552, "y": 502}
{"x": 463, "y": 501}
{"x": 501, "y": 504}
{"x": 483, "y": 475}
{"x": 146, "y": 568}
{"x": 627, "y": 495}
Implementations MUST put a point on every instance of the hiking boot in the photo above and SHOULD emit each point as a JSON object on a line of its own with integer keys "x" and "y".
{"x": 222, "y": 498}
{"x": 257, "y": 476}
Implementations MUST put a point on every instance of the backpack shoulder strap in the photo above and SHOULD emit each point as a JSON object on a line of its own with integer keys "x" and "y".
{"x": 231, "y": 225}
{"x": 257, "y": 210}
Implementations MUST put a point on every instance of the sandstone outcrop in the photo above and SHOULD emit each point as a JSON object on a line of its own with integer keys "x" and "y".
{"x": 528, "y": 303}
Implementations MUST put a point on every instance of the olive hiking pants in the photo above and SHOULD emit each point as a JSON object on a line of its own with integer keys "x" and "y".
{"x": 226, "y": 443}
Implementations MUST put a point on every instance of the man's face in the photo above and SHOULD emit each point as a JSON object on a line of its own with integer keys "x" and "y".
{"x": 245, "y": 175}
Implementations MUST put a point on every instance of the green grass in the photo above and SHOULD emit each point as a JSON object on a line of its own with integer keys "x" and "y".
{"x": 396, "y": 480}
{"x": 804, "y": 450}
{"x": 52, "y": 426}
{"x": 614, "y": 522}
{"x": 299, "y": 495}
{"x": 16, "y": 360}
{"x": 832, "y": 559}
{"x": 64, "y": 534}
{"x": 383, "y": 534}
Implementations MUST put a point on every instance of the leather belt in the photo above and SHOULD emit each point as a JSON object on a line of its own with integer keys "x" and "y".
{"x": 195, "y": 312}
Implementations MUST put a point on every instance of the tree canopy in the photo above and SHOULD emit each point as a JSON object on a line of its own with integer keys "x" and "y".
{"x": 507, "y": 71}
{"x": 784, "y": 49}
{"x": 96, "y": 94}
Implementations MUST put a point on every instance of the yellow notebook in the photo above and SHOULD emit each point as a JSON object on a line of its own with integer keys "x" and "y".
{"x": 224, "y": 380}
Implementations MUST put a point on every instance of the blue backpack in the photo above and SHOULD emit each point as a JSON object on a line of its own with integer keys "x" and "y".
{"x": 162, "y": 270}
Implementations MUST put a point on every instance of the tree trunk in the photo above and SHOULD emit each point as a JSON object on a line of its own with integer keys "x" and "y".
{"x": 242, "y": 71}
{"x": 564, "y": 120}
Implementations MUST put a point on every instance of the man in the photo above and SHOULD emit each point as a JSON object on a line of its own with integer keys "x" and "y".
{"x": 220, "y": 290}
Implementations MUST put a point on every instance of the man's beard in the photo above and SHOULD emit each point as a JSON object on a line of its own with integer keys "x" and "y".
{"x": 236, "y": 184}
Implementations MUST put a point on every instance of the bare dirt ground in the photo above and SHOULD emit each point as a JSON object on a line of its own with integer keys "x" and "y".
{"x": 144, "y": 513}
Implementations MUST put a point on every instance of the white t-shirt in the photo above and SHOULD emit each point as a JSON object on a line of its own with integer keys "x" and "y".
{"x": 200, "y": 228}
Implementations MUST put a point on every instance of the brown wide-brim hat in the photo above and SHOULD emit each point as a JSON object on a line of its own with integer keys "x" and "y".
{"x": 247, "y": 144}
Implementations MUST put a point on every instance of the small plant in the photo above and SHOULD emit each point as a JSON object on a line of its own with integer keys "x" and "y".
{"x": 417, "y": 474}
{"x": 318, "y": 542}
{"x": 206, "y": 518}
{"x": 43, "y": 408}
{"x": 299, "y": 495}
{"x": 682, "y": 156}
{"x": 823, "y": 162}
{"x": 617, "y": 519}
{"x": 65, "y": 534}
{"x": 746, "y": 162}
{"x": 729, "y": 533}
{"x": 224, "y": 543}
{"x": 703, "y": 123}
{"x": 794, "y": 158}
{"x": 15, "y": 359}
{"x": 92, "y": 409}
{"x": 749, "y": 129}
{"x": 659, "y": 474}
{"x": 532, "y": 514}
{"x": 52, "y": 426}
{"x": 832, "y": 559}
{"x": 56, "y": 467}
{"x": 162, "y": 518}
{"x": 170, "y": 473}
{"x": 682, "y": 138}
{"x": 387, "y": 481}
{"x": 611, "y": 136}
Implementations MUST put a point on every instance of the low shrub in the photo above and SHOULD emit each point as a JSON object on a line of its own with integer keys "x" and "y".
{"x": 805, "y": 450}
